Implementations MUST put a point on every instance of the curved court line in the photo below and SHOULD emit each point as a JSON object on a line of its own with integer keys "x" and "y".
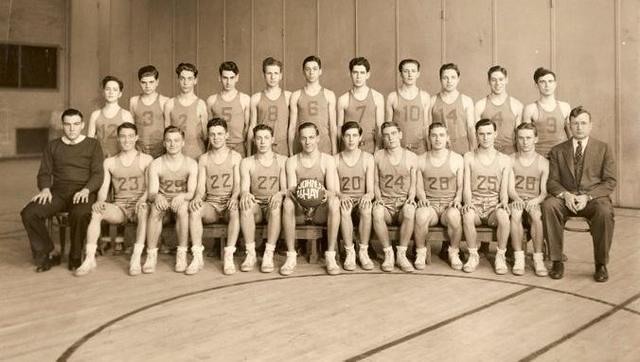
{"x": 71, "y": 349}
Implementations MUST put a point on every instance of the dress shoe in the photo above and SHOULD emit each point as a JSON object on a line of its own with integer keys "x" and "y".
{"x": 557, "y": 271}
{"x": 48, "y": 262}
{"x": 601, "y": 275}
{"x": 74, "y": 263}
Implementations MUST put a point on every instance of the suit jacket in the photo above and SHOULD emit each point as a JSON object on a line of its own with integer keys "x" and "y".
{"x": 598, "y": 175}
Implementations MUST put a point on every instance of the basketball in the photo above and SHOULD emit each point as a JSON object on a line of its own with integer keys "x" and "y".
{"x": 310, "y": 193}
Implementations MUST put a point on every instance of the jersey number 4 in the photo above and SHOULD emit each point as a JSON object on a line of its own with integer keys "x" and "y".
{"x": 389, "y": 182}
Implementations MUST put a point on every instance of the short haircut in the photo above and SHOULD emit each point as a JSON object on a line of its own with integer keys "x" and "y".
{"x": 349, "y": 125}
{"x": 447, "y": 67}
{"x": 228, "y": 66}
{"x": 70, "y": 112}
{"x": 172, "y": 129}
{"x": 308, "y": 125}
{"x": 486, "y": 122}
{"x": 527, "y": 125}
{"x": 188, "y": 67}
{"x": 390, "y": 124}
{"x": 578, "y": 111}
{"x": 359, "y": 61}
{"x": 111, "y": 78}
{"x": 496, "y": 68}
{"x": 541, "y": 72}
{"x": 312, "y": 58}
{"x": 269, "y": 62}
{"x": 217, "y": 121}
{"x": 437, "y": 125}
{"x": 128, "y": 125}
{"x": 148, "y": 71}
{"x": 408, "y": 61}
{"x": 262, "y": 127}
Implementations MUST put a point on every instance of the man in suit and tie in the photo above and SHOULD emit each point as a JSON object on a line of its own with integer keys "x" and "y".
{"x": 582, "y": 175}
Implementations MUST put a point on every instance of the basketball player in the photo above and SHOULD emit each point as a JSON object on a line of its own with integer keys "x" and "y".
{"x": 188, "y": 112}
{"x": 271, "y": 107}
{"x": 439, "y": 194}
{"x": 527, "y": 189}
{"x": 310, "y": 163}
{"x": 408, "y": 107}
{"x": 454, "y": 110}
{"x": 314, "y": 104}
{"x": 362, "y": 104}
{"x": 486, "y": 180}
{"x": 172, "y": 183}
{"x": 550, "y": 116}
{"x": 503, "y": 109}
{"x": 395, "y": 190}
{"x": 232, "y": 106}
{"x": 263, "y": 184}
{"x": 355, "y": 174}
{"x": 127, "y": 170}
{"x": 216, "y": 197}
{"x": 147, "y": 109}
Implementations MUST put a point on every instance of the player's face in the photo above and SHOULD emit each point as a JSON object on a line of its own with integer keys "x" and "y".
{"x": 263, "y": 140}
{"x": 312, "y": 72}
{"x": 187, "y": 81}
{"x": 148, "y": 84}
{"x": 112, "y": 91}
{"x": 127, "y": 139}
{"x": 410, "y": 73}
{"x": 229, "y": 79}
{"x": 547, "y": 85}
{"x": 438, "y": 137}
{"x": 526, "y": 140}
{"x": 351, "y": 139}
{"x": 72, "y": 127}
{"x": 486, "y": 136}
{"x": 498, "y": 82}
{"x": 308, "y": 139}
{"x": 272, "y": 76}
{"x": 391, "y": 137}
{"x": 173, "y": 143}
{"x": 217, "y": 137}
{"x": 359, "y": 76}
{"x": 449, "y": 80}
{"x": 581, "y": 126}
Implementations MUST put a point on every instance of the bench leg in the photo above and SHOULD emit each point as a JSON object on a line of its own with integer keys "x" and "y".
{"x": 312, "y": 246}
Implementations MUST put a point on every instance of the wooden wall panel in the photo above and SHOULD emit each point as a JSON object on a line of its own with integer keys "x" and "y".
{"x": 377, "y": 29}
{"x": 468, "y": 40}
{"x": 84, "y": 56}
{"x": 185, "y": 31}
{"x": 36, "y": 20}
{"x": 337, "y": 42}
{"x": 300, "y": 39}
{"x": 210, "y": 45}
{"x": 120, "y": 44}
{"x": 161, "y": 44}
{"x": 238, "y": 45}
{"x": 420, "y": 34}
{"x": 139, "y": 18}
{"x": 104, "y": 41}
{"x": 268, "y": 42}
{"x": 523, "y": 44}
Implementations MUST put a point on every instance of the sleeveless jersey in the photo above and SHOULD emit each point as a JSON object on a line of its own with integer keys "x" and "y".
{"x": 394, "y": 180}
{"x": 129, "y": 182}
{"x": 150, "y": 122}
{"x": 219, "y": 179}
{"x": 363, "y": 112}
{"x": 527, "y": 178}
{"x": 485, "y": 179}
{"x": 440, "y": 183}
{"x": 275, "y": 114}
{"x": 352, "y": 178}
{"x": 186, "y": 118}
{"x": 234, "y": 115}
{"x": 106, "y": 132}
{"x": 409, "y": 114}
{"x": 172, "y": 182}
{"x": 550, "y": 126}
{"x": 455, "y": 118}
{"x": 265, "y": 180}
{"x": 314, "y": 109}
{"x": 505, "y": 120}
{"x": 313, "y": 172}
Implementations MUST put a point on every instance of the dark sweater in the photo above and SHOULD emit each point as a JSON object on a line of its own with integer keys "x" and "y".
{"x": 75, "y": 166}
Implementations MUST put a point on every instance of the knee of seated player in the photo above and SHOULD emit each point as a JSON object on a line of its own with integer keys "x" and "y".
{"x": 516, "y": 216}
{"x": 408, "y": 212}
{"x": 333, "y": 204}
{"x": 469, "y": 217}
{"x": 422, "y": 215}
{"x": 233, "y": 214}
{"x": 377, "y": 213}
{"x": 183, "y": 211}
{"x": 288, "y": 207}
{"x": 453, "y": 217}
{"x": 364, "y": 213}
{"x": 142, "y": 212}
{"x": 96, "y": 216}
{"x": 155, "y": 214}
{"x": 502, "y": 217}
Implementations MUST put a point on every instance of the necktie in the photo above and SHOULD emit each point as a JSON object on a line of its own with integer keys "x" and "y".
{"x": 578, "y": 163}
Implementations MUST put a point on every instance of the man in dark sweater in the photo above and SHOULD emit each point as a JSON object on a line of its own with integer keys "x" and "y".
{"x": 70, "y": 174}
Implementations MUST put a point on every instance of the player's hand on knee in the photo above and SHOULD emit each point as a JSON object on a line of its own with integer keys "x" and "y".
{"x": 504, "y": 206}
{"x": 141, "y": 205}
{"x": 411, "y": 202}
{"x": 98, "y": 206}
{"x": 423, "y": 203}
{"x": 468, "y": 208}
{"x": 275, "y": 200}
{"x": 518, "y": 205}
{"x": 195, "y": 204}
{"x": 365, "y": 201}
{"x": 246, "y": 201}
{"x": 346, "y": 204}
{"x": 177, "y": 202}
{"x": 456, "y": 203}
{"x": 161, "y": 203}
{"x": 81, "y": 196}
{"x": 43, "y": 197}
{"x": 232, "y": 204}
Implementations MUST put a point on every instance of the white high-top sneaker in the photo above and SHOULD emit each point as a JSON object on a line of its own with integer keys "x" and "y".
{"x": 330, "y": 260}
{"x": 197, "y": 263}
{"x": 134, "y": 263}
{"x": 250, "y": 260}
{"x": 350, "y": 258}
{"x": 402, "y": 261}
{"x": 363, "y": 256}
{"x": 518, "y": 265}
{"x": 89, "y": 262}
{"x": 473, "y": 261}
{"x": 421, "y": 258}
{"x": 290, "y": 264}
{"x": 454, "y": 258}
{"x": 229, "y": 267}
{"x": 150, "y": 264}
{"x": 500, "y": 264}
{"x": 181, "y": 259}
{"x": 387, "y": 264}
{"x": 267, "y": 258}
{"x": 538, "y": 265}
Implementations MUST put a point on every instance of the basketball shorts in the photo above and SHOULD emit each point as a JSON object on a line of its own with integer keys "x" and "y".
{"x": 485, "y": 207}
{"x": 219, "y": 204}
{"x": 394, "y": 207}
{"x": 128, "y": 209}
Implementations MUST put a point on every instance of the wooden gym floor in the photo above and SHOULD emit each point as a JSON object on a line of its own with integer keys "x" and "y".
{"x": 437, "y": 314}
